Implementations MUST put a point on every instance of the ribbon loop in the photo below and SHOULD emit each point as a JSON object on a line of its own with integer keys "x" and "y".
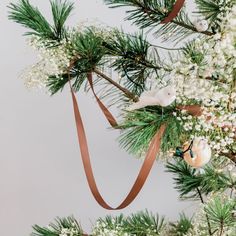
{"x": 145, "y": 169}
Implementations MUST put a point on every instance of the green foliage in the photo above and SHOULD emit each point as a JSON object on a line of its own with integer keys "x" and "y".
{"x": 149, "y": 14}
{"x": 30, "y": 17}
{"x": 214, "y": 180}
{"x": 132, "y": 59}
{"x": 60, "y": 11}
{"x": 142, "y": 223}
{"x": 68, "y": 226}
{"x": 55, "y": 84}
{"x": 144, "y": 13}
{"x": 191, "y": 52}
{"x": 186, "y": 179}
{"x": 145, "y": 223}
{"x": 181, "y": 227}
{"x": 212, "y": 9}
{"x": 141, "y": 126}
{"x": 192, "y": 184}
{"x": 178, "y": 29}
{"x": 220, "y": 214}
{"x": 88, "y": 47}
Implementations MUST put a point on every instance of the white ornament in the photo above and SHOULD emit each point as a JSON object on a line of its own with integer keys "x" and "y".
{"x": 201, "y": 25}
{"x": 199, "y": 154}
{"x": 156, "y": 97}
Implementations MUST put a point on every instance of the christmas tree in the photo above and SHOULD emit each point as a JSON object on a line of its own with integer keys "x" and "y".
{"x": 177, "y": 104}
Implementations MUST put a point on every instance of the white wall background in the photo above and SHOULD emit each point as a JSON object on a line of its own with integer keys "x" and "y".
{"x": 41, "y": 174}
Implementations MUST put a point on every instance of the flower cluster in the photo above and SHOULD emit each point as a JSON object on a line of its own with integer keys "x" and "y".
{"x": 219, "y": 128}
{"x": 53, "y": 61}
{"x": 205, "y": 75}
{"x": 69, "y": 232}
{"x": 112, "y": 228}
{"x": 208, "y": 71}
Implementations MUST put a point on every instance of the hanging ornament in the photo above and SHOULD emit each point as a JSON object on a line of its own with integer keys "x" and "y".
{"x": 201, "y": 25}
{"x": 156, "y": 97}
{"x": 197, "y": 153}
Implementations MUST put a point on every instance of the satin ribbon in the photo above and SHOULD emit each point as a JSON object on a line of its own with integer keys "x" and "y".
{"x": 144, "y": 171}
{"x": 176, "y": 9}
{"x": 105, "y": 111}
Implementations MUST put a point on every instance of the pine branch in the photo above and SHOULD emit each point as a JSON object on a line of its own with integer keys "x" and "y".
{"x": 30, "y": 17}
{"x": 130, "y": 95}
{"x": 145, "y": 223}
{"x": 191, "y": 27}
{"x": 149, "y": 14}
{"x": 186, "y": 179}
{"x": 219, "y": 211}
{"x": 60, "y": 11}
{"x": 181, "y": 227}
{"x": 134, "y": 59}
{"x": 62, "y": 226}
{"x": 207, "y": 217}
{"x": 139, "y": 127}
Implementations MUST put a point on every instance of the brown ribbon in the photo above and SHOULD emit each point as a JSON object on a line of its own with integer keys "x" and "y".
{"x": 106, "y": 112}
{"x": 144, "y": 171}
{"x": 153, "y": 150}
{"x": 176, "y": 9}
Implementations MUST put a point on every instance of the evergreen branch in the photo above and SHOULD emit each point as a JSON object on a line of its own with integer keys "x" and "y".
{"x": 124, "y": 90}
{"x": 140, "y": 224}
{"x": 135, "y": 59}
{"x": 139, "y": 127}
{"x": 207, "y": 217}
{"x": 181, "y": 227}
{"x": 148, "y": 14}
{"x": 144, "y": 223}
{"x": 186, "y": 179}
{"x": 190, "y": 27}
{"x": 212, "y": 8}
{"x": 30, "y": 17}
{"x": 189, "y": 181}
{"x": 220, "y": 213}
{"x": 60, "y": 11}
{"x": 62, "y": 226}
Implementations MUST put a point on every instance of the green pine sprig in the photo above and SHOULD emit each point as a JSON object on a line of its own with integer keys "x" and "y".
{"x": 145, "y": 223}
{"x": 31, "y": 18}
{"x": 181, "y": 227}
{"x": 140, "y": 126}
{"x": 57, "y": 228}
{"x": 221, "y": 216}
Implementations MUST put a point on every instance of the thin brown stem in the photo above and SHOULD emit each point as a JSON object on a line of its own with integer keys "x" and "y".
{"x": 117, "y": 85}
{"x": 191, "y": 28}
{"x": 231, "y": 156}
{"x": 221, "y": 229}
{"x": 207, "y": 217}
{"x": 128, "y": 94}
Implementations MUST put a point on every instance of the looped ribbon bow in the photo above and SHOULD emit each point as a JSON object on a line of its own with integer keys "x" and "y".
{"x": 152, "y": 152}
